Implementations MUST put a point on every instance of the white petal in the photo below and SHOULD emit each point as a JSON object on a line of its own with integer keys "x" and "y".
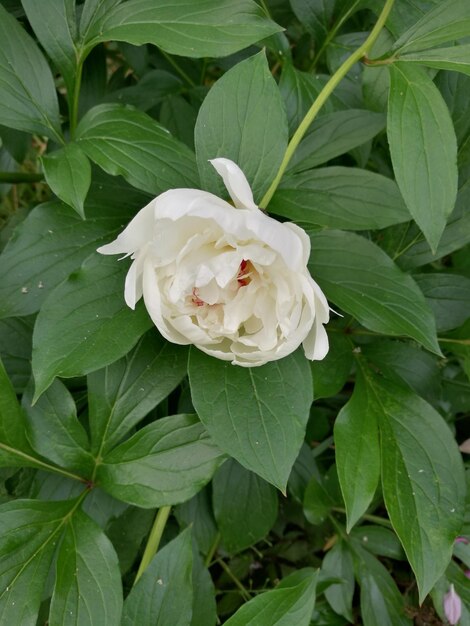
{"x": 136, "y": 234}
{"x": 237, "y": 185}
{"x": 133, "y": 284}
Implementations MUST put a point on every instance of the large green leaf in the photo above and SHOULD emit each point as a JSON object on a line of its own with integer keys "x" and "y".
{"x": 340, "y": 197}
{"x": 245, "y": 506}
{"x": 381, "y": 602}
{"x": 256, "y": 415}
{"x": 194, "y": 28}
{"x": 292, "y": 601}
{"x": 123, "y": 393}
{"x": 197, "y": 513}
{"x": 358, "y": 451}
{"x": 423, "y": 478}
{"x": 450, "y": 20}
{"x": 243, "y": 119}
{"x": 88, "y": 589}
{"x": 54, "y": 430}
{"x": 56, "y": 34}
{"x": 28, "y": 99}
{"x": 68, "y": 174}
{"x": 448, "y": 295}
{"x": 16, "y": 338}
{"x": 49, "y": 244}
{"x": 125, "y": 141}
{"x": 331, "y": 373}
{"x": 334, "y": 134}
{"x": 359, "y": 277}
{"x": 338, "y": 562}
{"x": 29, "y": 532}
{"x": 85, "y": 324}
{"x": 423, "y": 148}
{"x": 456, "y": 58}
{"x": 298, "y": 91}
{"x": 15, "y": 449}
{"x": 164, "y": 463}
{"x": 164, "y": 594}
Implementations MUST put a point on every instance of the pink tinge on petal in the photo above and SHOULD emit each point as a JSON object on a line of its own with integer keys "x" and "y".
{"x": 452, "y": 606}
{"x": 465, "y": 446}
{"x": 467, "y": 573}
{"x": 461, "y": 540}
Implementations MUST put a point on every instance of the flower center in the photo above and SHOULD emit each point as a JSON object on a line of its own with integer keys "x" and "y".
{"x": 242, "y": 279}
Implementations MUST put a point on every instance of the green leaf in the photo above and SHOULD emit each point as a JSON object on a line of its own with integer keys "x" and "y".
{"x": 380, "y": 541}
{"x": 243, "y": 119}
{"x": 125, "y": 141}
{"x": 317, "y": 501}
{"x": 197, "y": 513}
{"x": 423, "y": 148}
{"x": 152, "y": 88}
{"x": 381, "y": 602}
{"x": 245, "y": 506}
{"x": 338, "y": 562}
{"x": 448, "y": 295}
{"x": 316, "y": 16}
{"x": 455, "y": 89}
{"x": 256, "y": 415}
{"x": 164, "y": 463}
{"x": 127, "y": 532}
{"x": 334, "y": 134}
{"x": 28, "y": 99}
{"x": 357, "y": 451}
{"x": 298, "y": 91}
{"x": 29, "y": 532}
{"x": 85, "y": 324}
{"x": 406, "y": 363}
{"x": 49, "y": 244}
{"x": 16, "y": 337}
{"x": 164, "y": 593}
{"x": 88, "y": 586}
{"x": 123, "y": 393}
{"x": 340, "y": 197}
{"x": 331, "y": 373}
{"x": 54, "y": 430}
{"x": 204, "y": 605}
{"x": 423, "y": 478}
{"x": 56, "y": 34}
{"x": 15, "y": 449}
{"x": 456, "y": 235}
{"x": 292, "y": 601}
{"x": 212, "y": 28}
{"x": 455, "y": 58}
{"x": 449, "y": 21}
{"x": 68, "y": 174}
{"x": 361, "y": 279}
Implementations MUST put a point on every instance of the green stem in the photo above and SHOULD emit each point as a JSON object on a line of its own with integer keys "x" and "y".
{"x": 212, "y": 550}
{"x": 154, "y": 540}
{"x": 464, "y": 342}
{"x": 41, "y": 464}
{"x": 244, "y": 592}
{"x": 323, "y": 96}
{"x": 75, "y": 96}
{"x": 179, "y": 69}
{"x": 20, "y": 177}
{"x": 369, "y": 518}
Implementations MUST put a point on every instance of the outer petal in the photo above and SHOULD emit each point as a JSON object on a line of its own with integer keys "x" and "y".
{"x": 237, "y": 185}
{"x": 136, "y": 234}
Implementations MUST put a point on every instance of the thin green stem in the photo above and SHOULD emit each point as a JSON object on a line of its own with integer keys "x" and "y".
{"x": 154, "y": 540}
{"x": 41, "y": 464}
{"x": 463, "y": 342}
{"x": 20, "y": 177}
{"x": 369, "y": 518}
{"x": 212, "y": 550}
{"x": 73, "y": 99}
{"x": 340, "y": 529}
{"x": 179, "y": 69}
{"x": 323, "y": 97}
{"x": 244, "y": 592}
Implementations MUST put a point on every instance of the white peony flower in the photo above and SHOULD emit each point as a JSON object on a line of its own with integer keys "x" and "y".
{"x": 232, "y": 281}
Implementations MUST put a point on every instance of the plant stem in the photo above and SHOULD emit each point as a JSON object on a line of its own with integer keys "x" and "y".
{"x": 73, "y": 103}
{"x": 245, "y": 594}
{"x": 179, "y": 69}
{"x": 20, "y": 177}
{"x": 154, "y": 540}
{"x": 213, "y": 548}
{"x": 369, "y": 518}
{"x": 464, "y": 342}
{"x": 323, "y": 96}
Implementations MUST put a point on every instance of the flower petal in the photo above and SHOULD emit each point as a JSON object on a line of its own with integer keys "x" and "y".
{"x": 237, "y": 185}
{"x": 136, "y": 234}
